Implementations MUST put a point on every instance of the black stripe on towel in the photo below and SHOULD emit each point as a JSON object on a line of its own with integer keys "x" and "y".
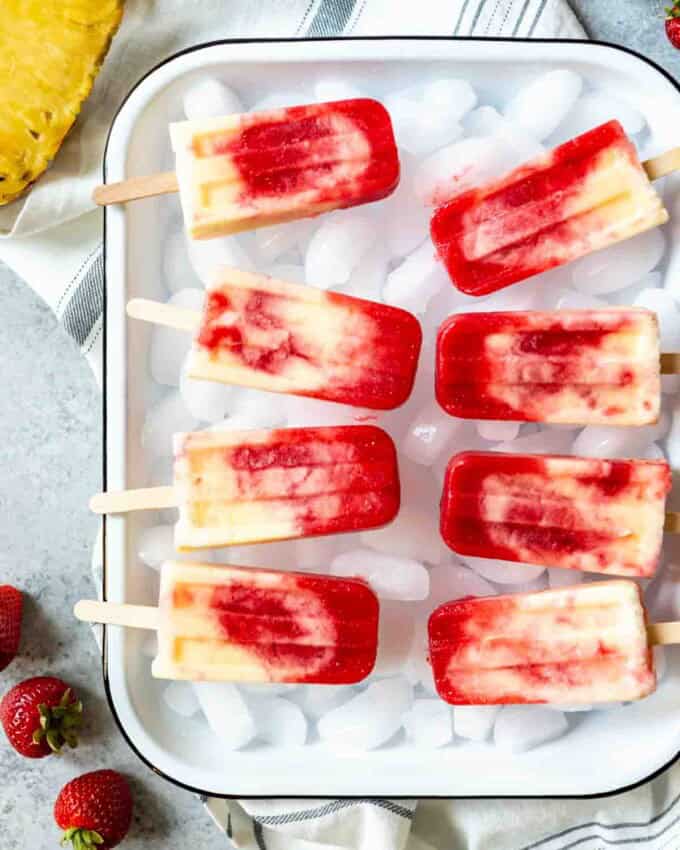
{"x": 520, "y": 19}
{"x": 541, "y": 9}
{"x": 609, "y": 826}
{"x": 86, "y": 302}
{"x": 330, "y": 809}
{"x": 331, "y": 17}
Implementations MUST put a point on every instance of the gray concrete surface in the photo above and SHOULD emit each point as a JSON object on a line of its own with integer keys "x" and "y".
{"x": 49, "y": 462}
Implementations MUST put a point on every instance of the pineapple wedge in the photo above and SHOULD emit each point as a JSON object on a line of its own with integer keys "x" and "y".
{"x": 50, "y": 53}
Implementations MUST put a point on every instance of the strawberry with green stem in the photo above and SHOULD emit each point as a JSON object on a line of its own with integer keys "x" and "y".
{"x": 40, "y": 715}
{"x": 94, "y": 810}
{"x": 673, "y": 23}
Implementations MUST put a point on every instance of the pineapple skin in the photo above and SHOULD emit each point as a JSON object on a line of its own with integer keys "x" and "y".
{"x": 50, "y": 54}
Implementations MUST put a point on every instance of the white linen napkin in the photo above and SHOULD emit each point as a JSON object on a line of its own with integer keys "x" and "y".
{"x": 52, "y": 239}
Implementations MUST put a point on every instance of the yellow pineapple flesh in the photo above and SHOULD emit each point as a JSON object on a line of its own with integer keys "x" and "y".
{"x": 50, "y": 53}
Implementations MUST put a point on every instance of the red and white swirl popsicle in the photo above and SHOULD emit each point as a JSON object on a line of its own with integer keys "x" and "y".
{"x": 240, "y": 172}
{"x": 234, "y": 487}
{"x": 240, "y": 624}
{"x": 603, "y": 516}
{"x": 260, "y": 332}
{"x": 580, "y": 367}
{"x": 586, "y": 644}
{"x": 584, "y": 195}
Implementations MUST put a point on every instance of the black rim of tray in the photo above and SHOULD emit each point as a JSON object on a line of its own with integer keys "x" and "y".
{"x": 377, "y": 38}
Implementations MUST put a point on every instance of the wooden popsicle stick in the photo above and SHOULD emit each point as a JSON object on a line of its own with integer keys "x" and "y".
{"x": 134, "y": 616}
{"x": 665, "y": 163}
{"x": 670, "y": 363}
{"x": 145, "y": 499}
{"x": 663, "y": 633}
{"x": 134, "y": 188}
{"x": 168, "y": 315}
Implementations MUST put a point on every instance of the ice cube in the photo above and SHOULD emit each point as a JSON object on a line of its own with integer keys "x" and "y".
{"x": 395, "y": 637}
{"x": 564, "y": 578}
{"x": 522, "y": 727}
{"x": 418, "y": 128}
{"x": 449, "y": 582}
{"x": 208, "y": 255}
{"x": 227, "y": 713}
{"x": 455, "y": 96}
{"x": 598, "y": 107}
{"x": 156, "y": 545}
{"x": 169, "y": 347}
{"x": 498, "y": 431}
{"x": 460, "y": 166}
{"x": 620, "y": 265}
{"x": 626, "y": 297}
{"x": 611, "y": 442}
{"x": 653, "y": 452}
{"x": 272, "y": 243}
{"x": 292, "y": 272}
{"x": 178, "y": 273}
{"x": 149, "y": 647}
{"x": 430, "y": 433}
{"x": 279, "y": 721}
{"x": 181, "y": 698}
{"x": 488, "y": 121}
{"x": 282, "y": 99}
{"x": 301, "y": 412}
{"x": 570, "y": 300}
{"x": 414, "y": 534}
{"x": 369, "y": 719}
{"x": 206, "y": 401}
{"x": 660, "y": 663}
{"x": 391, "y": 577}
{"x": 543, "y": 104}
{"x": 317, "y": 700}
{"x": 474, "y": 722}
{"x": 337, "y": 248}
{"x": 673, "y": 444}
{"x": 503, "y": 572}
{"x": 315, "y": 553}
{"x": 233, "y": 422}
{"x": 416, "y": 280}
{"x": 208, "y": 97}
{"x": 368, "y": 278}
{"x": 328, "y": 89}
{"x": 168, "y": 417}
{"x": 428, "y": 723}
{"x": 664, "y": 305}
{"x": 546, "y": 441}
{"x": 406, "y": 220}
{"x": 263, "y": 409}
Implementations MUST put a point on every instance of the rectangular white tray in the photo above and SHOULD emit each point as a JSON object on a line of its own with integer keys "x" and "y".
{"x": 607, "y": 751}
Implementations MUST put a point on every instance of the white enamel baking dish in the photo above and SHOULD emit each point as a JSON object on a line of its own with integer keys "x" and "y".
{"x": 608, "y": 751}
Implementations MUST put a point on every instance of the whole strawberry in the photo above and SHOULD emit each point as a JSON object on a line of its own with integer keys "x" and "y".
{"x": 673, "y": 24}
{"x": 40, "y": 715}
{"x": 94, "y": 810}
{"x": 10, "y": 623}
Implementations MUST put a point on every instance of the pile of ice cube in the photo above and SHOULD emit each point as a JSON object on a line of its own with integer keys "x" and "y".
{"x": 448, "y": 141}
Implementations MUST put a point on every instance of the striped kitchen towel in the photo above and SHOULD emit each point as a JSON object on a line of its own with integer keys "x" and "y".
{"x": 52, "y": 238}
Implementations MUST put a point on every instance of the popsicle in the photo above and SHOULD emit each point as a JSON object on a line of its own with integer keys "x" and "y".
{"x": 604, "y": 516}
{"x": 241, "y": 624}
{"x": 265, "y": 333}
{"x": 236, "y": 487}
{"x": 584, "y": 644}
{"x": 584, "y": 195}
{"x": 568, "y": 366}
{"x": 240, "y": 172}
